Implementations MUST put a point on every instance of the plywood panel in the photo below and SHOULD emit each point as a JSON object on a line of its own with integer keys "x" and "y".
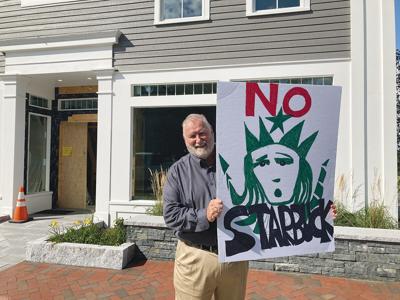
{"x": 72, "y": 165}
{"x": 64, "y": 90}
{"x": 85, "y": 118}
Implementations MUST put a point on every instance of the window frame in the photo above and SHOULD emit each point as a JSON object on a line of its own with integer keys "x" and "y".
{"x": 251, "y": 4}
{"x": 158, "y": 20}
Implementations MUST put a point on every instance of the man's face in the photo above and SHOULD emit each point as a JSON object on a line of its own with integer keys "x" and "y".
{"x": 277, "y": 168}
{"x": 198, "y": 138}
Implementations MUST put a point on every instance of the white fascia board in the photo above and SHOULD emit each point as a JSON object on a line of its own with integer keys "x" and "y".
{"x": 25, "y": 3}
{"x": 61, "y": 44}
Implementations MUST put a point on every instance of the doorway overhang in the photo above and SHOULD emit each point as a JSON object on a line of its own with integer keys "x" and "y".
{"x": 59, "y": 54}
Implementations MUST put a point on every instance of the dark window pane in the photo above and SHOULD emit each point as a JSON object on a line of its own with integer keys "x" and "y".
{"x": 288, "y": 3}
{"x": 189, "y": 89}
{"x": 180, "y": 89}
{"x": 95, "y": 104}
{"x": 172, "y": 9}
{"x": 284, "y": 80}
{"x": 198, "y": 88}
{"x": 136, "y": 90}
{"x": 306, "y": 81}
{"x": 171, "y": 89}
{"x": 162, "y": 90}
{"x": 214, "y": 88}
{"x": 153, "y": 131}
{"x": 295, "y": 80}
{"x": 318, "y": 81}
{"x": 265, "y": 4}
{"x": 144, "y": 90}
{"x": 153, "y": 90}
{"x": 192, "y": 8}
{"x": 328, "y": 80}
{"x": 207, "y": 88}
{"x": 274, "y": 81}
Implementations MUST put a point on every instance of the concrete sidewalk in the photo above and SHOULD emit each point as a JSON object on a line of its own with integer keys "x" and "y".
{"x": 13, "y": 237}
{"x": 153, "y": 280}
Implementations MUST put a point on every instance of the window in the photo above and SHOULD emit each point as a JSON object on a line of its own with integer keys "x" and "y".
{"x": 77, "y": 104}
{"x": 175, "y": 11}
{"x": 40, "y": 102}
{"x": 326, "y": 80}
{"x": 266, "y": 7}
{"x": 172, "y": 89}
{"x": 158, "y": 142}
{"x": 44, "y": 2}
{"x": 38, "y": 154}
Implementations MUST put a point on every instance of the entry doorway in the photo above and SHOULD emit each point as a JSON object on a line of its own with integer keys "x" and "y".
{"x": 77, "y": 162}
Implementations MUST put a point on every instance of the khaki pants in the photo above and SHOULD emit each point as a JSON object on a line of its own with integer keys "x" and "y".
{"x": 199, "y": 275}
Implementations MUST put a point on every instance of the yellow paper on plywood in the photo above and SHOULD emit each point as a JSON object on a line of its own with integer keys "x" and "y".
{"x": 66, "y": 151}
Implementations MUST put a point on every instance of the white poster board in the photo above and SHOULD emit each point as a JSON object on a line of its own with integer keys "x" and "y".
{"x": 276, "y": 155}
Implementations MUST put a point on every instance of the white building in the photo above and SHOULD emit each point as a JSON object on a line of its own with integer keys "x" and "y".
{"x": 118, "y": 77}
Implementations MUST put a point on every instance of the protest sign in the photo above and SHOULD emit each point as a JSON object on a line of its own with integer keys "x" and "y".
{"x": 276, "y": 155}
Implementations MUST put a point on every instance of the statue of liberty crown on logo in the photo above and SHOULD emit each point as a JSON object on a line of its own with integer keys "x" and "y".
{"x": 276, "y": 173}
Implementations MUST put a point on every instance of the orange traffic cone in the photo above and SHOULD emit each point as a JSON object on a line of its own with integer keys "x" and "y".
{"x": 21, "y": 211}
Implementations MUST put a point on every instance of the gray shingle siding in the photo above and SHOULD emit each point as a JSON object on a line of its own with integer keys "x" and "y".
{"x": 228, "y": 38}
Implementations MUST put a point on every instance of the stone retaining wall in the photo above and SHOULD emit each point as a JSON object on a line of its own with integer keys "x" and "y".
{"x": 360, "y": 253}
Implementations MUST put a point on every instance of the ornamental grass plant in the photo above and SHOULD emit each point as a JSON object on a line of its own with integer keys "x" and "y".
{"x": 373, "y": 215}
{"x": 87, "y": 232}
{"x": 158, "y": 179}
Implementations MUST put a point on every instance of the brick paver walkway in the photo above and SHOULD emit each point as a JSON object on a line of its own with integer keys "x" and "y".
{"x": 153, "y": 280}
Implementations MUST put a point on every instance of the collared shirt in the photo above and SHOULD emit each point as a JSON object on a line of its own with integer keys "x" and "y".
{"x": 189, "y": 188}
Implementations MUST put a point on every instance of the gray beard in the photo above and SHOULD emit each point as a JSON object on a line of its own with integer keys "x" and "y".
{"x": 203, "y": 152}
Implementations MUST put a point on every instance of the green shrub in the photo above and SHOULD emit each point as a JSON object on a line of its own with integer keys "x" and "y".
{"x": 87, "y": 232}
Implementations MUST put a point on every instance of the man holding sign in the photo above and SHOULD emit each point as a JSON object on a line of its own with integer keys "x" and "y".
{"x": 281, "y": 210}
{"x": 191, "y": 209}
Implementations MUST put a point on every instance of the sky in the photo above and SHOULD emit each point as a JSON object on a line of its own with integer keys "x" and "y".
{"x": 397, "y": 8}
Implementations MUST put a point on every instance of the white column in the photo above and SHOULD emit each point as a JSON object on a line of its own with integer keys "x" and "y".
{"x": 374, "y": 101}
{"x": 388, "y": 103}
{"x": 357, "y": 179}
{"x": 104, "y": 136}
{"x": 12, "y": 133}
{"x": 381, "y": 102}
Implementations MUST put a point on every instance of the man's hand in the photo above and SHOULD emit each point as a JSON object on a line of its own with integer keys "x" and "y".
{"x": 214, "y": 209}
{"x": 333, "y": 211}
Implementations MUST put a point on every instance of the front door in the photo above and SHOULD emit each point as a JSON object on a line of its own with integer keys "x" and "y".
{"x": 72, "y": 177}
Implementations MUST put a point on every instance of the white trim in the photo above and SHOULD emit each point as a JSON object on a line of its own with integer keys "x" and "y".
{"x": 334, "y": 60}
{"x": 61, "y": 44}
{"x": 25, "y": 3}
{"x": 251, "y": 11}
{"x": 158, "y": 20}
{"x": 48, "y": 143}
